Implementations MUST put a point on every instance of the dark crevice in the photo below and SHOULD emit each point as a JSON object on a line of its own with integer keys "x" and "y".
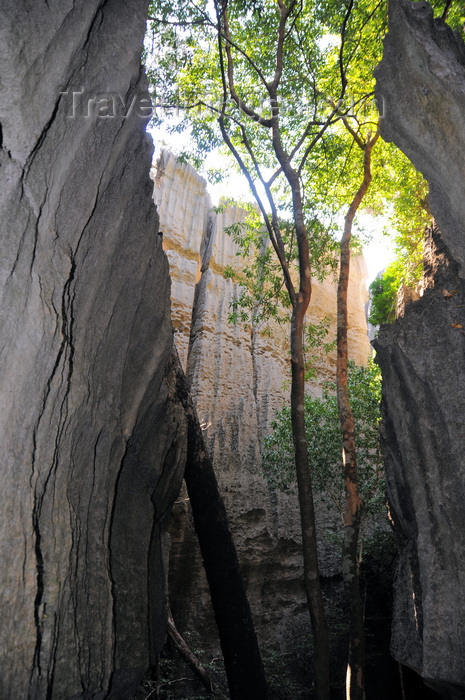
{"x": 75, "y": 530}
{"x": 37, "y": 508}
{"x": 36, "y": 668}
{"x": 98, "y": 12}
{"x": 21, "y": 244}
{"x": 36, "y": 235}
{"x": 68, "y": 323}
{"x": 110, "y": 549}
{"x": 67, "y": 341}
{"x": 51, "y": 672}
{"x": 60, "y": 353}
{"x": 42, "y": 136}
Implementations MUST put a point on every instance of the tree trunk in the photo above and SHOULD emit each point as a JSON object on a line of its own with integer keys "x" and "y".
{"x": 299, "y": 302}
{"x": 243, "y": 663}
{"x": 307, "y": 510}
{"x": 304, "y": 480}
{"x": 350, "y": 565}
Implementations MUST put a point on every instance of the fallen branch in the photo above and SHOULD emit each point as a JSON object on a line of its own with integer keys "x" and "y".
{"x": 187, "y": 654}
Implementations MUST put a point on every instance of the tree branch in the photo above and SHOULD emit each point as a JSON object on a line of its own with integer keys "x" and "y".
{"x": 181, "y": 23}
{"x": 447, "y": 7}
{"x": 243, "y": 53}
{"x": 355, "y": 135}
{"x": 365, "y": 22}
{"x": 285, "y": 12}
{"x": 230, "y": 71}
{"x": 341, "y": 48}
{"x": 271, "y": 226}
{"x": 276, "y": 238}
{"x": 314, "y": 141}
{"x": 187, "y": 654}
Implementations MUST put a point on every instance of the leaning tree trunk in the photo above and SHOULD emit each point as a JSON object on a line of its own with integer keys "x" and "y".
{"x": 242, "y": 659}
{"x": 350, "y": 564}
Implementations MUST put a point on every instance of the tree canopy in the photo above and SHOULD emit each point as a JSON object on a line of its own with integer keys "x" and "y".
{"x": 320, "y": 74}
{"x": 324, "y": 85}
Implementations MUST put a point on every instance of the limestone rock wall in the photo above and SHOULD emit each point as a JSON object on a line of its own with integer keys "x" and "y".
{"x": 92, "y": 439}
{"x": 238, "y": 378}
{"x": 421, "y": 83}
{"x": 421, "y": 357}
{"x": 421, "y": 91}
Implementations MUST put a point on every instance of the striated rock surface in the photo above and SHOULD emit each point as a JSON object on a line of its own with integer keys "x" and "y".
{"x": 421, "y": 91}
{"x": 421, "y": 82}
{"x": 92, "y": 440}
{"x": 238, "y": 378}
{"x": 421, "y": 357}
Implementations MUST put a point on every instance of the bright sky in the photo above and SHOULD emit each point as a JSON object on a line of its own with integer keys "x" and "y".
{"x": 378, "y": 252}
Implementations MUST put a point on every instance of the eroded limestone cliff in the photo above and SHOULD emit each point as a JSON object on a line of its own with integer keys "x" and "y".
{"x": 421, "y": 85}
{"x": 238, "y": 379}
{"x": 92, "y": 439}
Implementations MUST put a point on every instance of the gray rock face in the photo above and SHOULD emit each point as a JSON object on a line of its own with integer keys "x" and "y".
{"x": 422, "y": 82}
{"x": 92, "y": 439}
{"x": 423, "y": 437}
{"x": 421, "y": 92}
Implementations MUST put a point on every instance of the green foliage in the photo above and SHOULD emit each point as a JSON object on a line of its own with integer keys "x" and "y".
{"x": 263, "y": 296}
{"x": 325, "y": 99}
{"x": 177, "y": 680}
{"x": 325, "y": 447}
{"x": 452, "y": 12}
{"x": 281, "y": 672}
{"x": 328, "y": 58}
{"x": 326, "y": 104}
{"x": 405, "y": 270}
{"x": 383, "y": 293}
{"x": 316, "y": 339}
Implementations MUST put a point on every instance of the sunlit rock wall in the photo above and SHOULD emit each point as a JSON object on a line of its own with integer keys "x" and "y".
{"x": 239, "y": 378}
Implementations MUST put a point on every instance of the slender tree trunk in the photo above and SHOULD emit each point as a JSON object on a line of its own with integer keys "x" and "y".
{"x": 304, "y": 480}
{"x": 299, "y": 302}
{"x": 350, "y": 565}
{"x": 243, "y": 663}
{"x": 307, "y": 510}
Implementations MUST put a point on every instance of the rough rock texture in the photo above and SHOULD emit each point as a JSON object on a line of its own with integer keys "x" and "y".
{"x": 423, "y": 437}
{"x": 421, "y": 91}
{"x": 238, "y": 380}
{"x": 421, "y": 81}
{"x": 92, "y": 440}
